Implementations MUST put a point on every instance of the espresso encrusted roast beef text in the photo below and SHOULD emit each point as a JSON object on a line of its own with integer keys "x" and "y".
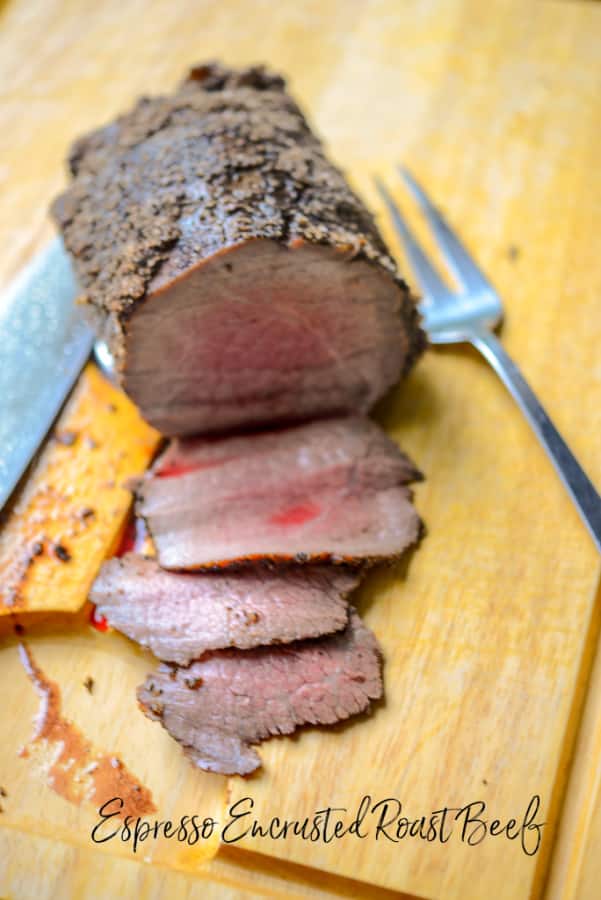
{"x": 334, "y": 489}
{"x": 236, "y": 276}
{"x": 219, "y": 706}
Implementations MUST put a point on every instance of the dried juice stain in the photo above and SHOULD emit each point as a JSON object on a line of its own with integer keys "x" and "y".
{"x": 77, "y": 771}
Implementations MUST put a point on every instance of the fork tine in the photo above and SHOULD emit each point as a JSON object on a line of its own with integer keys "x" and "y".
{"x": 430, "y": 282}
{"x": 455, "y": 254}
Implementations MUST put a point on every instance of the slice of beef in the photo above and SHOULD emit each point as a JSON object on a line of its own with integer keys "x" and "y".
{"x": 220, "y": 705}
{"x": 332, "y": 489}
{"x": 181, "y": 616}
{"x": 237, "y": 277}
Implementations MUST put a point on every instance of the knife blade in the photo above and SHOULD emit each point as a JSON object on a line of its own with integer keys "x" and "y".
{"x": 44, "y": 344}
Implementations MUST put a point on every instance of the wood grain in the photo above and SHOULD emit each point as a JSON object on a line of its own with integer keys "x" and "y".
{"x": 488, "y": 632}
{"x": 56, "y": 869}
{"x": 575, "y": 869}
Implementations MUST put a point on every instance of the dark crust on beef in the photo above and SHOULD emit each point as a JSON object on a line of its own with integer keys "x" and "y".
{"x": 227, "y": 158}
{"x": 270, "y": 561}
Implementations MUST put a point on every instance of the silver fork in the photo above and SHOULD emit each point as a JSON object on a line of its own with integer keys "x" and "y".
{"x": 469, "y": 315}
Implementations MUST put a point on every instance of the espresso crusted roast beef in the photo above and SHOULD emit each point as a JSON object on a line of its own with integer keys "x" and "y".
{"x": 220, "y": 705}
{"x": 181, "y": 616}
{"x": 237, "y": 277}
{"x": 332, "y": 489}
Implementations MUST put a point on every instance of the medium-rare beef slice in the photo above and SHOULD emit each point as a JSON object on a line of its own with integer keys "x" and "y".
{"x": 181, "y": 616}
{"x": 238, "y": 278}
{"x": 333, "y": 489}
{"x": 220, "y": 705}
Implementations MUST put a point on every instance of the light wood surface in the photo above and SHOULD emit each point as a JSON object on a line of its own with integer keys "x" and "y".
{"x": 575, "y": 871}
{"x": 56, "y": 869}
{"x": 489, "y": 631}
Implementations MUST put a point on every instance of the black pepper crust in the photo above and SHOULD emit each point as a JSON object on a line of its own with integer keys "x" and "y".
{"x": 227, "y": 158}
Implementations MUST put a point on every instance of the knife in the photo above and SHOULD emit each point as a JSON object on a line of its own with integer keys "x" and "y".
{"x": 44, "y": 344}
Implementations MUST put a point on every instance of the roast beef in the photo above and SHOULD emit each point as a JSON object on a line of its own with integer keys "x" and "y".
{"x": 220, "y": 705}
{"x": 237, "y": 278}
{"x": 331, "y": 489}
{"x": 181, "y": 616}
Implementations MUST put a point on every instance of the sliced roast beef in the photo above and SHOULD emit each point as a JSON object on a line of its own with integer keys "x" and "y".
{"x": 181, "y": 616}
{"x": 220, "y": 705}
{"x": 237, "y": 278}
{"x": 331, "y": 489}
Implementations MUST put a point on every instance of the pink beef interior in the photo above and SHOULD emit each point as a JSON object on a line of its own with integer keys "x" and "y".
{"x": 220, "y": 705}
{"x": 181, "y": 616}
{"x": 329, "y": 489}
{"x": 261, "y": 332}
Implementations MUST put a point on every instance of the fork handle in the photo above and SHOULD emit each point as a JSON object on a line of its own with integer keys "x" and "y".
{"x": 579, "y": 486}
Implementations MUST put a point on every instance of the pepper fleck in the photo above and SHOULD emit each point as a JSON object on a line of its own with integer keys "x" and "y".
{"x": 62, "y": 553}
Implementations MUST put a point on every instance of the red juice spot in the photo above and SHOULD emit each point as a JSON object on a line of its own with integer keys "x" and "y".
{"x": 128, "y": 539}
{"x": 296, "y": 515}
{"x": 175, "y": 468}
{"x": 133, "y": 537}
{"x": 98, "y": 622}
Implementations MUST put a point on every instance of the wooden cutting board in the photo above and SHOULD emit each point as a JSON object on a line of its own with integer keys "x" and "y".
{"x": 489, "y": 629}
